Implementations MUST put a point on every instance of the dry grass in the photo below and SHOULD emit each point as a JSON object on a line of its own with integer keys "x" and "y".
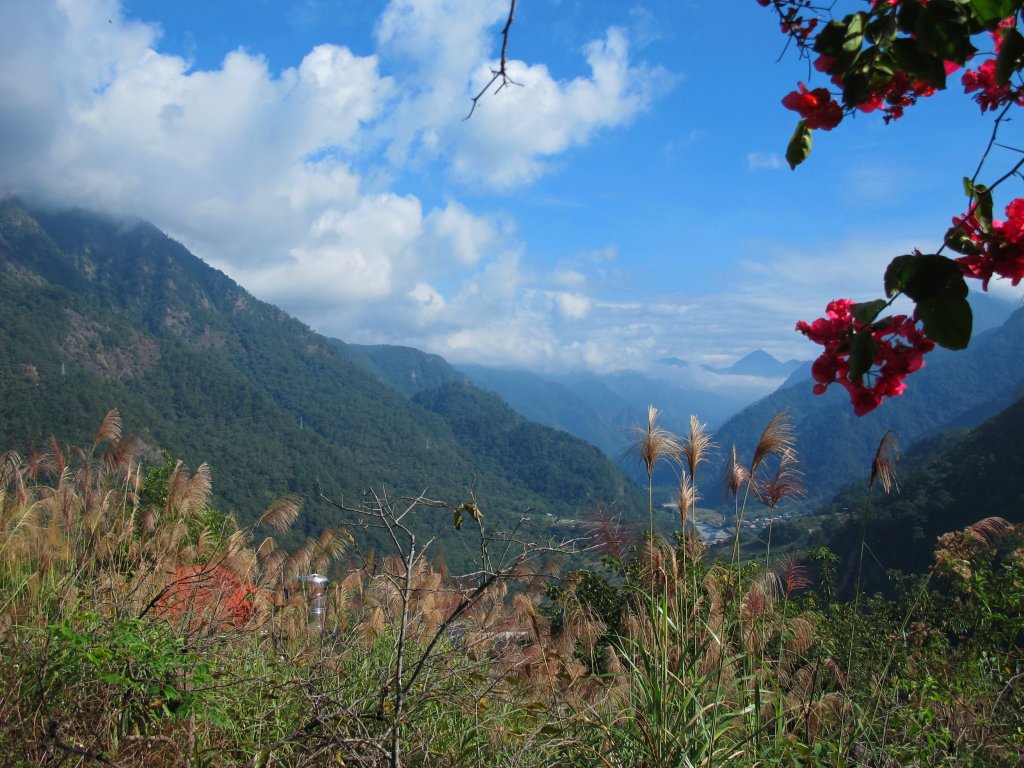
{"x": 712, "y": 664}
{"x": 735, "y": 474}
{"x": 775, "y": 440}
{"x": 883, "y": 466}
{"x": 653, "y": 443}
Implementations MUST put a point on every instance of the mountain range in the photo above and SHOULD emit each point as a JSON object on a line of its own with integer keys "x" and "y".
{"x": 98, "y": 313}
{"x": 602, "y": 409}
{"x": 757, "y": 363}
{"x": 953, "y": 390}
{"x": 946, "y": 483}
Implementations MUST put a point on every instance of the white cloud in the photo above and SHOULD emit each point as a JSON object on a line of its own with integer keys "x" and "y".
{"x": 233, "y": 161}
{"x": 438, "y": 44}
{"x": 514, "y": 134}
{"x": 427, "y": 297}
{"x": 574, "y": 306}
{"x": 764, "y": 161}
{"x": 445, "y": 50}
{"x": 455, "y": 232}
{"x": 278, "y": 180}
{"x": 356, "y": 254}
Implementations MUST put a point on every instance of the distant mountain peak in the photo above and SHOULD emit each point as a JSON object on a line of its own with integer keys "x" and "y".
{"x": 761, "y": 363}
{"x": 758, "y": 355}
{"x": 676, "y": 361}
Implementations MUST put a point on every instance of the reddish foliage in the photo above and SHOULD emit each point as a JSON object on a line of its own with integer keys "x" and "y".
{"x": 210, "y": 593}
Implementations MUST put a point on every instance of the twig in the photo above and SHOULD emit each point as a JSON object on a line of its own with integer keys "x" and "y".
{"x": 501, "y": 72}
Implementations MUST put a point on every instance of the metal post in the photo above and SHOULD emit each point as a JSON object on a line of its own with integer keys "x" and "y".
{"x": 314, "y": 587}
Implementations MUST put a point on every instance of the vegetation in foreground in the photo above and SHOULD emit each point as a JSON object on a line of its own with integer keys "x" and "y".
{"x": 139, "y": 627}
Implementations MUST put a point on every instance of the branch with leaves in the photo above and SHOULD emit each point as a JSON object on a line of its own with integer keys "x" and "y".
{"x": 884, "y": 59}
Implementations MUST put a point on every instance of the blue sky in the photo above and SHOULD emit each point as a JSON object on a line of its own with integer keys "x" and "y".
{"x": 627, "y": 202}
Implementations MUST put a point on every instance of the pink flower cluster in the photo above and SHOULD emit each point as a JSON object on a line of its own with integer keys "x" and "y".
{"x": 900, "y": 91}
{"x": 900, "y": 347}
{"x": 817, "y": 107}
{"x": 990, "y": 94}
{"x": 892, "y": 97}
{"x": 998, "y": 252}
{"x": 898, "y": 94}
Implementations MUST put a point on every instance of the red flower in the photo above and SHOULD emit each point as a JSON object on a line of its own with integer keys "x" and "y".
{"x": 999, "y": 252}
{"x": 817, "y": 107}
{"x": 990, "y": 94}
{"x": 898, "y": 93}
{"x": 863, "y": 399}
{"x": 900, "y": 347}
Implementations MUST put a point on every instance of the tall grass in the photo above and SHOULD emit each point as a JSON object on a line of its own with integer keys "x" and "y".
{"x": 152, "y": 631}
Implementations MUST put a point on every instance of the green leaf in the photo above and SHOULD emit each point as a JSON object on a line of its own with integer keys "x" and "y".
{"x": 1009, "y": 59}
{"x": 856, "y": 88}
{"x": 907, "y": 17}
{"x": 961, "y": 243}
{"x": 909, "y": 57}
{"x": 990, "y": 12}
{"x": 842, "y": 40}
{"x": 457, "y": 519}
{"x": 894, "y": 274}
{"x": 923, "y": 277}
{"x": 948, "y": 319}
{"x": 831, "y": 39}
{"x": 799, "y": 145}
{"x": 882, "y": 29}
{"x": 115, "y": 679}
{"x": 866, "y": 312}
{"x": 932, "y": 276}
{"x": 943, "y": 29}
{"x": 937, "y": 286}
{"x": 853, "y": 38}
{"x": 983, "y": 208}
{"x": 862, "y": 353}
{"x": 981, "y": 200}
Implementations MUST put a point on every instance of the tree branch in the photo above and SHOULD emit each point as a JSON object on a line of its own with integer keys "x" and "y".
{"x": 501, "y": 73}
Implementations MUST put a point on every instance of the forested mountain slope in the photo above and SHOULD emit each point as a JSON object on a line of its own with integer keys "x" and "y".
{"x": 955, "y": 389}
{"x": 96, "y": 313}
{"x": 602, "y": 408}
{"x": 963, "y": 478}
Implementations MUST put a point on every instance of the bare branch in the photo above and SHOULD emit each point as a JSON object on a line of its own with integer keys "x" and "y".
{"x": 501, "y": 73}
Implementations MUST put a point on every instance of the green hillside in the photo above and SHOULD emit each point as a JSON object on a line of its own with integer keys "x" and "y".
{"x": 602, "y": 408}
{"x": 96, "y": 313}
{"x": 959, "y": 389}
{"x": 950, "y": 482}
{"x": 554, "y": 463}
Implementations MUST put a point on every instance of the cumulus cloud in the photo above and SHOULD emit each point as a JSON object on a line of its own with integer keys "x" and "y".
{"x": 512, "y": 137}
{"x": 572, "y": 305}
{"x": 455, "y": 232}
{"x": 350, "y": 255}
{"x": 255, "y": 171}
{"x": 278, "y": 178}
